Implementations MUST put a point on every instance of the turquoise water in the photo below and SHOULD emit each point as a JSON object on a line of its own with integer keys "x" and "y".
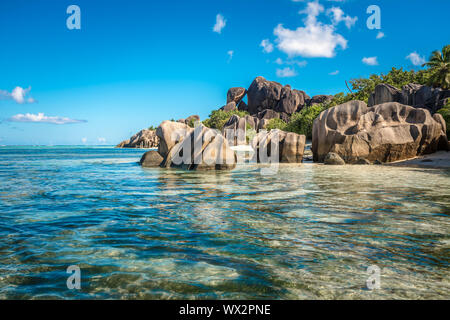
{"x": 308, "y": 232}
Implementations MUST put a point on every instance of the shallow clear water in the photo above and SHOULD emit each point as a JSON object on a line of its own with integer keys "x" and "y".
{"x": 309, "y": 231}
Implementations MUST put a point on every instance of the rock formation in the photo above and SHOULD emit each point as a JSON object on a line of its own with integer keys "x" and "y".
{"x": 170, "y": 133}
{"x": 290, "y": 146}
{"x": 235, "y": 94}
{"x": 333, "y": 159}
{"x": 143, "y": 139}
{"x": 386, "y": 132}
{"x": 151, "y": 159}
{"x": 416, "y": 95}
{"x": 202, "y": 149}
{"x": 229, "y": 106}
{"x": 235, "y": 129}
{"x": 263, "y": 94}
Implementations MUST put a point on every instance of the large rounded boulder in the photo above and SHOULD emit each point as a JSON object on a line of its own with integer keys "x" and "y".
{"x": 202, "y": 149}
{"x": 384, "y": 133}
{"x": 236, "y": 94}
{"x": 170, "y": 133}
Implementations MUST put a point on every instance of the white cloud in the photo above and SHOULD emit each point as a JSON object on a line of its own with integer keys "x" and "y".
{"x": 230, "y": 54}
{"x": 371, "y": 61}
{"x": 291, "y": 62}
{"x": 19, "y": 95}
{"x": 334, "y": 73}
{"x": 267, "y": 46}
{"x": 40, "y": 117}
{"x": 101, "y": 140}
{"x": 220, "y": 23}
{"x": 380, "y": 35}
{"x": 315, "y": 39}
{"x": 416, "y": 59}
{"x": 339, "y": 16}
{"x": 84, "y": 140}
{"x": 286, "y": 72}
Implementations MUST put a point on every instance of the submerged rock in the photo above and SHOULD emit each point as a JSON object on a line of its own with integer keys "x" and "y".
{"x": 143, "y": 139}
{"x": 151, "y": 159}
{"x": 386, "y": 132}
{"x": 333, "y": 159}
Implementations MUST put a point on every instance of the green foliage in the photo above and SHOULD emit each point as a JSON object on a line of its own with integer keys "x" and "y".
{"x": 302, "y": 122}
{"x": 439, "y": 67}
{"x": 445, "y": 112}
{"x": 151, "y": 128}
{"x": 276, "y": 124}
{"x": 218, "y": 118}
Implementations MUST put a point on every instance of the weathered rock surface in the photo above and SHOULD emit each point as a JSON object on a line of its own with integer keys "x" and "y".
{"x": 271, "y": 114}
{"x": 143, "y": 139}
{"x": 386, "y": 132}
{"x": 242, "y": 106}
{"x": 263, "y": 94}
{"x": 289, "y": 146}
{"x": 170, "y": 133}
{"x": 333, "y": 159}
{"x": 385, "y": 93}
{"x": 236, "y": 94}
{"x": 321, "y": 98}
{"x": 235, "y": 129}
{"x": 416, "y": 95}
{"x": 202, "y": 149}
{"x": 193, "y": 118}
{"x": 151, "y": 159}
{"x": 229, "y": 106}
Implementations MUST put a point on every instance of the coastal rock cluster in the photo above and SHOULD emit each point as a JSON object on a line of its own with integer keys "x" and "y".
{"x": 143, "y": 139}
{"x": 416, "y": 95}
{"x": 270, "y": 99}
{"x": 191, "y": 149}
{"x": 386, "y": 132}
{"x": 396, "y": 124}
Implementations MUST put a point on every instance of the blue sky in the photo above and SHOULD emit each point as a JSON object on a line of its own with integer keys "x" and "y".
{"x": 136, "y": 63}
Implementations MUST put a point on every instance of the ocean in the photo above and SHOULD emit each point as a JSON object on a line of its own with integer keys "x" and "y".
{"x": 308, "y": 232}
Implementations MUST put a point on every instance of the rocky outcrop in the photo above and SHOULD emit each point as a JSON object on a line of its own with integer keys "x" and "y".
{"x": 151, "y": 159}
{"x": 289, "y": 146}
{"x": 385, "y": 93}
{"x": 143, "y": 139}
{"x": 242, "y": 106}
{"x": 202, "y": 149}
{"x": 271, "y": 114}
{"x": 170, "y": 133}
{"x": 333, "y": 159}
{"x": 229, "y": 106}
{"x": 416, "y": 95}
{"x": 386, "y": 132}
{"x": 236, "y": 94}
{"x": 235, "y": 129}
{"x": 321, "y": 98}
{"x": 263, "y": 94}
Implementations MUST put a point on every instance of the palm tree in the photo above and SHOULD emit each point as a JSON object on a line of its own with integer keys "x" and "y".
{"x": 439, "y": 65}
